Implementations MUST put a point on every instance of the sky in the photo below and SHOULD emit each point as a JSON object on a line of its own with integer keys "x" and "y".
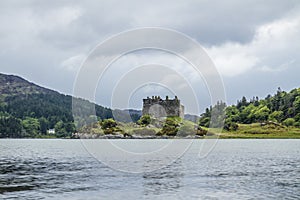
{"x": 254, "y": 44}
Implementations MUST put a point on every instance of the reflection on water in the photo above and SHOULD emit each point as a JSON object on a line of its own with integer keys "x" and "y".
{"x": 236, "y": 169}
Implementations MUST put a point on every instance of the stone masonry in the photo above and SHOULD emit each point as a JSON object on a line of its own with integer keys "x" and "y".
{"x": 158, "y": 107}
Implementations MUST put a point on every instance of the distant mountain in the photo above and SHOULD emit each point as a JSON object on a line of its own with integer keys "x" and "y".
{"x": 192, "y": 118}
{"x": 127, "y": 115}
{"x": 11, "y": 85}
{"x": 21, "y": 99}
{"x": 132, "y": 115}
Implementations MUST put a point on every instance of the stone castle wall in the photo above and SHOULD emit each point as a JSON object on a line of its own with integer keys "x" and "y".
{"x": 158, "y": 107}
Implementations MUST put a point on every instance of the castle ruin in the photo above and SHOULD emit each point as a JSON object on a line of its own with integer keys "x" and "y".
{"x": 158, "y": 107}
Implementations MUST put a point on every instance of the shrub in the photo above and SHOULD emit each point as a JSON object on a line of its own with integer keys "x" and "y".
{"x": 204, "y": 121}
{"x": 231, "y": 126}
{"x": 201, "y": 131}
{"x": 171, "y": 126}
{"x": 289, "y": 122}
{"x": 108, "y": 123}
{"x": 145, "y": 120}
{"x": 109, "y": 126}
{"x": 297, "y": 124}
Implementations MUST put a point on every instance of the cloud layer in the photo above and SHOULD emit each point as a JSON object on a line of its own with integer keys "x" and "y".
{"x": 274, "y": 48}
{"x": 250, "y": 41}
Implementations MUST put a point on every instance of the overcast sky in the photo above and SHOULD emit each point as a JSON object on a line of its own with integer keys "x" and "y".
{"x": 254, "y": 44}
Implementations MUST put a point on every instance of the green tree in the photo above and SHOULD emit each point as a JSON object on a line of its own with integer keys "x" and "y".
{"x": 44, "y": 125}
{"x": 10, "y": 127}
{"x": 213, "y": 116}
{"x": 297, "y": 117}
{"x": 60, "y": 130}
{"x": 218, "y": 115}
{"x": 205, "y": 118}
{"x": 276, "y": 116}
{"x": 280, "y": 107}
{"x": 204, "y": 121}
{"x": 296, "y": 104}
{"x": 64, "y": 129}
{"x": 261, "y": 113}
{"x": 232, "y": 113}
{"x": 69, "y": 127}
{"x": 31, "y": 126}
{"x": 246, "y": 116}
{"x": 289, "y": 122}
{"x": 242, "y": 103}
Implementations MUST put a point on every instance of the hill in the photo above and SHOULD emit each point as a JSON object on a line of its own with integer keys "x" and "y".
{"x": 15, "y": 85}
{"x": 27, "y": 109}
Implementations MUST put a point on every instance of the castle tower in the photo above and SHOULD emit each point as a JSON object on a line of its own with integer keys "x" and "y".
{"x": 158, "y": 107}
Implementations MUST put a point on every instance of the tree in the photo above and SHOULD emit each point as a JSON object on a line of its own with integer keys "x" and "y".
{"x": 296, "y": 104}
{"x": 213, "y": 116}
{"x": 232, "y": 113}
{"x": 31, "y": 126}
{"x": 204, "y": 121}
{"x": 297, "y": 117}
{"x": 246, "y": 114}
{"x": 276, "y": 116}
{"x": 205, "y": 117}
{"x": 218, "y": 115}
{"x": 69, "y": 127}
{"x": 261, "y": 113}
{"x": 60, "y": 130}
{"x": 289, "y": 122}
{"x": 44, "y": 125}
{"x": 64, "y": 129}
{"x": 280, "y": 107}
{"x": 10, "y": 127}
{"x": 242, "y": 103}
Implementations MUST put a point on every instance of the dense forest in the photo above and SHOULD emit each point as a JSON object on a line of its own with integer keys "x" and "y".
{"x": 282, "y": 108}
{"x": 28, "y": 110}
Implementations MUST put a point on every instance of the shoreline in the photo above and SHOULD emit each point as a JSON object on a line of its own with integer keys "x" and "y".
{"x": 221, "y": 137}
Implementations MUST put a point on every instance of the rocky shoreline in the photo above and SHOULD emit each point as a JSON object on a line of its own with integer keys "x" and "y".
{"x": 121, "y": 136}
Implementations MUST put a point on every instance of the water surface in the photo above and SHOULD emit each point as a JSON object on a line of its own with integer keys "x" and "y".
{"x": 234, "y": 169}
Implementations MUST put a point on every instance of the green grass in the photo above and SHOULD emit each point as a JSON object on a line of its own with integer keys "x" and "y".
{"x": 132, "y": 128}
{"x": 46, "y": 136}
{"x": 186, "y": 128}
{"x": 258, "y": 131}
{"x": 247, "y": 131}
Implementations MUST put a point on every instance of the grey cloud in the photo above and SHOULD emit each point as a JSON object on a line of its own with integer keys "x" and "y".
{"x": 34, "y": 45}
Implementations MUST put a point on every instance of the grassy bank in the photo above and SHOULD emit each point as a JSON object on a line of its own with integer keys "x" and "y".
{"x": 186, "y": 129}
{"x": 257, "y": 131}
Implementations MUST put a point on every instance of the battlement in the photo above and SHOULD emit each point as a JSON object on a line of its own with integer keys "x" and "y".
{"x": 159, "y": 107}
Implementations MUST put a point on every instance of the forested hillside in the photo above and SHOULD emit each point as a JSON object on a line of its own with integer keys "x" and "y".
{"x": 28, "y": 110}
{"x": 282, "y": 108}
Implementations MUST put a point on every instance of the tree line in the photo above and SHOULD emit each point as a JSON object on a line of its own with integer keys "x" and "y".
{"x": 32, "y": 115}
{"x": 283, "y": 107}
